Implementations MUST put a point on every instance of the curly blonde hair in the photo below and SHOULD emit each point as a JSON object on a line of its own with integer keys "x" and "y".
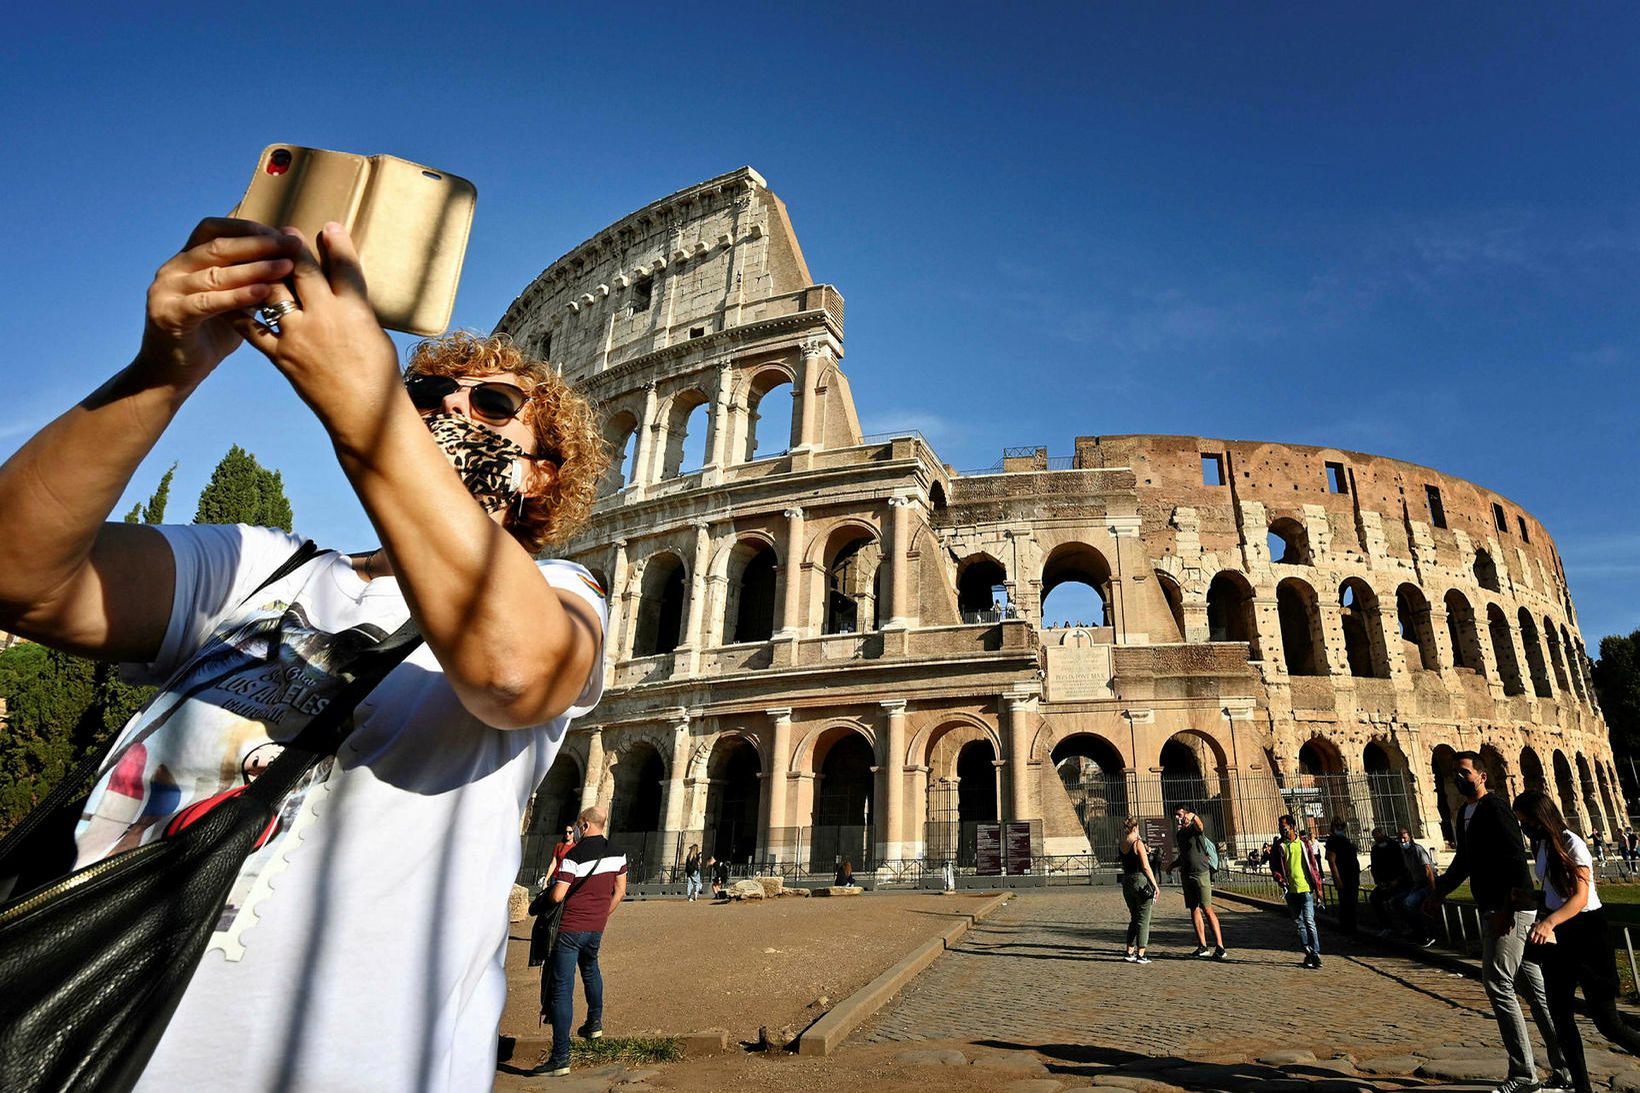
{"x": 563, "y": 422}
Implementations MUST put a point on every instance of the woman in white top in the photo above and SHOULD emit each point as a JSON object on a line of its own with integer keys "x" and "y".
{"x": 1569, "y": 939}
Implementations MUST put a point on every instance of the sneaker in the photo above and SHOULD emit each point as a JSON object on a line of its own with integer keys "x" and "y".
{"x": 1429, "y": 943}
{"x": 589, "y": 1031}
{"x": 1202, "y": 950}
{"x": 1309, "y": 959}
{"x": 1130, "y": 959}
{"x": 1518, "y": 1085}
{"x": 1218, "y": 952}
{"x": 550, "y": 1069}
{"x": 1559, "y": 1082}
{"x": 1141, "y": 960}
{"x": 1315, "y": 961}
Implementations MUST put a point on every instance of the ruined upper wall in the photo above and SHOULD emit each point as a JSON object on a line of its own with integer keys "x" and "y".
{"x": 716, "y": 255}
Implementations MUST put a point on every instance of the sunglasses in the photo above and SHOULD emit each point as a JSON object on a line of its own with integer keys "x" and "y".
{"x": 491, "y": 402}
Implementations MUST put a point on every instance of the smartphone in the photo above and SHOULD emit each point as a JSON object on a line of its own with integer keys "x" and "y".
{"x": 409, "y": 222}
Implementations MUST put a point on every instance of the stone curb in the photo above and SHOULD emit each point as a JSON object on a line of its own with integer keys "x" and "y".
{"x": 829, "y": 1031}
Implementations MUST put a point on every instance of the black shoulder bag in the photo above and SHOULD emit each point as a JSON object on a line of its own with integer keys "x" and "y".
{"x": 92, "y": 965}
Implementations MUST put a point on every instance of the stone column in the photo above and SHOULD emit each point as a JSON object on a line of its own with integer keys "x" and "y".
{"x": 718, "y": 454}
{"x": 893, "y": 830}
{"x": 1125, "y": 531}
{"x": 900, "y": 613}
{"x": 595, "y": 769}
{"x": 777, "y": 824}
{"x": 1019, "y": 713}
{"x": 676, "y": 787}
{"x": 791, "y": 569}
{"x": 816, "y": 354}
{"x": 692, "y": 637}
{"x": 648, "y": 434}
{"x": 617, "y": 622}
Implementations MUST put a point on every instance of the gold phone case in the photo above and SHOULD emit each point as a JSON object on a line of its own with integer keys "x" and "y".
{"x": 409, "y": 222}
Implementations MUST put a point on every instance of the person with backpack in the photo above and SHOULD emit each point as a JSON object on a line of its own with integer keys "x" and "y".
{"x": 1197, "y": 859}
{"x": 1294, "y": 865}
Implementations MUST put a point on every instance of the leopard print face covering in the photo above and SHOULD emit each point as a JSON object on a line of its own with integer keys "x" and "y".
{"x": 490, "y": 465}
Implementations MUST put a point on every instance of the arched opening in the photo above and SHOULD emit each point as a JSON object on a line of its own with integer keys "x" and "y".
{"x": 1535, "y": 665}
{"x": 1193, "y": 776}
{"x": 1574, "y": 667}
{"x": 1417, "y": 633}
{"x": 1447, "y": 799}
{"x": 621, "y": 434}
{"x": 853, "y": 582}
{"x": 1174, "y": 595}
{"x": 1497, "y": 771}
{"x": 976, "y": 795}
{"x": 686, "y": 434}
{"x": 1289, "y": 542}
{"x": 732, "y": 800}
{"x": 936, "y": 497}
{"x": 1090, "y": 767}
{"x": 1461, "y": 632}
{"x": 556, "y": 804}
{"x": 1301, "y": 637}
{"x": 1614, "y": 816}
{"x": 1076, "y": 587}
{"x": 1389, "y": 785}
{"x": 1363, "y": 630}
{"x": 660, "y": 607}
{"x": 844, "y": 801}
{"x": 750, "y": 605}
{"x": 1486, "y": 572}
{"x": 1323, "y": 786}
{"x": 770, "y": 424}
{"x": 1503, "y": 650}
{"x": 982, "y": 588}
{"x": 1566, "y": 790}
{"x": 635, "y": 807}
{"x": 1591, "y": 797}
{"x": 1230, "y": 612}
{"x": 1531, "y": 770}
{"x": 1553, "y": 637}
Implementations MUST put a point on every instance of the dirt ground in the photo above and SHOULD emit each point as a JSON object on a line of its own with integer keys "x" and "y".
{"x": 675, "y": 967}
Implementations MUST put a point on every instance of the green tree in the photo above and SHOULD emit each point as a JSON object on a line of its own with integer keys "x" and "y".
{"x": 1617, "y": 681}
{"x": 242, "y": 491}
{"x": 154, "y": 511}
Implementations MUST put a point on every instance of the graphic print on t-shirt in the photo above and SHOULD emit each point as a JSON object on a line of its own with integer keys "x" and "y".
{"x": 217, "y": 724}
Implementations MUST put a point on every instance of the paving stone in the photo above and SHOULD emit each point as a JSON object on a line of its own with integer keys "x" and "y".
{"x": 932, "y": 1058}
{"x": 1627, "y": 1082}
{"x": 1464, "y": 1070}
{"x": 1014, "y": 1063}
{"x": 1034, "y": 1085}
{"x": 1284, "y": 1058}
{"x": 1390, "y": 1064}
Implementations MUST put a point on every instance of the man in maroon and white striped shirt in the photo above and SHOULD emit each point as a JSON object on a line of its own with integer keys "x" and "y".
{"x": 590, "y": 883}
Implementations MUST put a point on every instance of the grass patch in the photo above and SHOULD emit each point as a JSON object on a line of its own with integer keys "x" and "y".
{"x": 626, "y": 1049}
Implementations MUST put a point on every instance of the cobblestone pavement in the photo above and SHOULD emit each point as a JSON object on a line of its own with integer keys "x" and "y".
{"x": 1043, "y": 981}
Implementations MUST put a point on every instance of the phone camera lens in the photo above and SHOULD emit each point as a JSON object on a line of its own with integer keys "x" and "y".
{"x": 279, "y": 161}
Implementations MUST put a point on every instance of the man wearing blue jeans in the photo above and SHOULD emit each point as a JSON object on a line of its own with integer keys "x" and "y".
{"x": 590, "y": 883}
{"x": 1296, "y": 870}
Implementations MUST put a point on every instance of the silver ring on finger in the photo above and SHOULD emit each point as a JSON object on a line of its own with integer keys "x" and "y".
{"x": 270, "y": 314}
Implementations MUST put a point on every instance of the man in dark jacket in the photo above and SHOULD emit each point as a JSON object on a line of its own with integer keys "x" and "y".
{"x": 1492, "y": 857}
{"x": 1344, "y": 861}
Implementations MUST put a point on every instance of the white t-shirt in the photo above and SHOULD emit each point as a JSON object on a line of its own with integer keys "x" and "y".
{"x": 362, "y": 946}
{"x": 1552, "y": 899}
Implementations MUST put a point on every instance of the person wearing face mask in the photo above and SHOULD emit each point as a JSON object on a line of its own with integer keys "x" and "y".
{"x": 1569, "y": 939}
{"x": 466, "y": 465}
{"x": 1492, "y": 857}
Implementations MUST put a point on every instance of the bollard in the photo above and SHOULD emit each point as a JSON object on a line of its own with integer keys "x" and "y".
{"x": 1634, "y": 973}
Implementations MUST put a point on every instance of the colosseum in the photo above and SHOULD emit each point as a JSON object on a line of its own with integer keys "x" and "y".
{"x": 825, "y": 645}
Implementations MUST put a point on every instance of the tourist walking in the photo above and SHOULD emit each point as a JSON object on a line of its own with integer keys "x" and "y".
{"x": 1492, "y": 858}
{"x": 1139, "y": 889}
{"x": 691, "y": 872}
{"x": 590, "y": 884}
{"x": 1298, "y": 872}
{"x": 1569, "y": 940}
{"x": 1195, "y": 860}
{"x": 1344, "y": 863}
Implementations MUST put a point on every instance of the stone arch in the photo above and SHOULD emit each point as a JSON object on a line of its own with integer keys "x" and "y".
{"x": 635, "y": 805}
{"x": 936, "y": 497}
{"x": 1535, "y": 665}
{"x": 662, "y": 593}
{"x": 1289, "y": 542}
{"x": 1388, "y": 773}
{"x": 1573, "y": 668}
{"x": 1590, "y": 796}
{"x": 1230, "y": 615}
{"x": 554, "y": 806}
{"x": 1417, "y": 632}
{"x": 1077, "y": 563}
{"x": 852, "y": 579}
{"x": 1194, "y": 774}
{"x": 1486, "y": 571}
{"x": 1096, "y": 782}
{"x": 733, "y": 798}
{"x": 1498, "y": 778}
{"x": 1442, "y": 759}
{"x": 686, "y": 417}
{"x": 1363, "y": 630}
{"x": 1503, "y": 650}
{"x": 845, "y": 804}
{"x": 771, "y": 420}
{"x": 621, "y": 434}
{"x": 978, "y": 578}
{"x": 1174, "y": 595}
{"x": 810, "y": 751}
{"x": 1614, "y": 816}
{"x": 750, "y": 568}
{"x": 1552, "y": 638}
{"x": 1463, "y": 634}
{"x": 1531, "y": 770}
{"x": 1302, "y": 638}
{"x": 933, "y": 745}
{"x": 1566, "y": 791}
{"x": 1321, "y": 772}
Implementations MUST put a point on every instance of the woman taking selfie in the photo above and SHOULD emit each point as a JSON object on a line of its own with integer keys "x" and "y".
{"x": 1569, "y": 939}
{"x": 361, "y": 944}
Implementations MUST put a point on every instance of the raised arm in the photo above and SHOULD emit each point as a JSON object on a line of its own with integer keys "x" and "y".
{"x": 516, "y": 652}
{"x": 67, "y": 579}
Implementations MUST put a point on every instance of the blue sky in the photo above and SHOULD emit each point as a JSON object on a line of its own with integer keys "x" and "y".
{"x": 1407, "y": 231}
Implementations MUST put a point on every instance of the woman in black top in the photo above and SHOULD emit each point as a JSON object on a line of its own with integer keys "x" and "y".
{"x": 1139, "y": 889}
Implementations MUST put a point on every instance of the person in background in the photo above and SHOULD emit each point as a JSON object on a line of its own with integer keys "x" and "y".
{"x": 845, "y": 875}
{"x": 1569, "y": 939}
{"x": 1139, "y": 889}
{"x": 1297, "y": 870}
{"x": 720, "y": 878}
{"x": 1389, "y": 878}
{"x": 1419, "y": 872}
{"x": 1344, "y": 862}
{"x": 691, "y": 872}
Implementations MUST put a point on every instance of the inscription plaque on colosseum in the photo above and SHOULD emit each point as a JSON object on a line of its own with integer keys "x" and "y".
{"x": 1077, "y": 673}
